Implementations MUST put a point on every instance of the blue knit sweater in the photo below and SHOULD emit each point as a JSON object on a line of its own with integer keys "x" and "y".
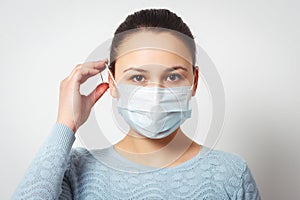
{"x": 62, "y": 172}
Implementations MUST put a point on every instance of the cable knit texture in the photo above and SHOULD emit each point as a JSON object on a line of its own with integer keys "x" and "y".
{"x": 62, "y": 172}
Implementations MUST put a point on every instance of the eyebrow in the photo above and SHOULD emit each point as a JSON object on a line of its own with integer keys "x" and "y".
{"x": 145, "y": 71}
{"x": 176, "y": 68}
{"x": 135, "y": 69}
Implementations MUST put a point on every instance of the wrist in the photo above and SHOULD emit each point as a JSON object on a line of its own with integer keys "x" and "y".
{"x": 70, "y": 125}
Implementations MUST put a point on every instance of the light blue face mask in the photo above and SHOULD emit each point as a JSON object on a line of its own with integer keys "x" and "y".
{"x": 154, "y": 112}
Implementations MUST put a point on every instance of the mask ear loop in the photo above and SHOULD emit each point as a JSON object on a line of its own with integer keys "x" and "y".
{"x": 109, "y": 72}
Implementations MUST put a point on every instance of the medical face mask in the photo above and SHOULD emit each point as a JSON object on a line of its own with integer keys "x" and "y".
{"x": 154, "y": 112}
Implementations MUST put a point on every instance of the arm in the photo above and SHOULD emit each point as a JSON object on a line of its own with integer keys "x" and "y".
{"x": 248, "y": 189}
{"x": 44, "y": 179}
{"x": 47, "y": 178}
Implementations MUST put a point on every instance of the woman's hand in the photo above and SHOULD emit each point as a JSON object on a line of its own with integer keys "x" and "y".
{"x": 75, "y": 108}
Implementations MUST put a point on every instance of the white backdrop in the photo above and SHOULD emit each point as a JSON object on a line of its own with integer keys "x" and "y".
{"x": 254, "y": 45}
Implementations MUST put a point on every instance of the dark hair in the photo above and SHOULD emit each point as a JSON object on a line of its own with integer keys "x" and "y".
{"x": 152, "y": 18}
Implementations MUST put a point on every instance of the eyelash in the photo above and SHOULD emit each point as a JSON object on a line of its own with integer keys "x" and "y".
{"x": 136, "y": 75}
{"x": 178, "y": 76}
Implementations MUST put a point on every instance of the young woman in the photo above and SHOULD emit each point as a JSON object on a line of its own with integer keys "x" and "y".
{"x": 155, "y": 160}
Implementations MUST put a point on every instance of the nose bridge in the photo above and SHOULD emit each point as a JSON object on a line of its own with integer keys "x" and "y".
{"x": 154, "y": 94}
{"x": 155, "y": 82}
{"x": 156, "y": 73}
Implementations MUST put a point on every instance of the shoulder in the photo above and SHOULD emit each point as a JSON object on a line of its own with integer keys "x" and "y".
{"x": 79, "y": 152}
{"x": 82, "y": 156}
{"x": 238, "y": 174}
{"x": 79, "y": 155}
{"x": 230, "y": 172}
{"x": 231, "y": 164}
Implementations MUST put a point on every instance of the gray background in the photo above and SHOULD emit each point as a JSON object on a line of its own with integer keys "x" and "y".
{"x": 254, "y": 45}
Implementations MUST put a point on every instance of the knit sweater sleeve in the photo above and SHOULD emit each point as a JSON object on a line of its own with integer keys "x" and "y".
{"x": 46, "y": 177}
{"x": 248, "y": 189}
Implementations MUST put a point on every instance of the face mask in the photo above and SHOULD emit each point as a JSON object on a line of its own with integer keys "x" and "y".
{"x": 154, "y": 112}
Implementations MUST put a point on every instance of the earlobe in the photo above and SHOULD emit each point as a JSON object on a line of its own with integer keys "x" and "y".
{"x": 196, "y": 76}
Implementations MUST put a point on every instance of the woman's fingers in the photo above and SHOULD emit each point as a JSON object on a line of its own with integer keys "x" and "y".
{"x": 74, "y": 108}
{"x": 86, "y": 70}
{"x": 98, "y": 92}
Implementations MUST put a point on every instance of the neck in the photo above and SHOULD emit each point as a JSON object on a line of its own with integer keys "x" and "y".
{"x": 154, "y": 152}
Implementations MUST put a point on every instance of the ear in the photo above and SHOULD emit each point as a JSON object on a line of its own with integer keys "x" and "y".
{"x": 196, "y": 76}
{"x": 112, "y": 87}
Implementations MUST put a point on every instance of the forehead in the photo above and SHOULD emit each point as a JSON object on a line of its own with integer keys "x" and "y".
{"x": 146, "y": 47}
{"x": 150, "y": 57}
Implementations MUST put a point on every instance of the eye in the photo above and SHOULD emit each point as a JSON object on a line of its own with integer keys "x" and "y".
{"x": 138, "y": 78}
{"x": 173, "y": 77}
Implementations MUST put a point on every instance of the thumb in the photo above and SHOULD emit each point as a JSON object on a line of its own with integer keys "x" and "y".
{"x": 98, "y": 92}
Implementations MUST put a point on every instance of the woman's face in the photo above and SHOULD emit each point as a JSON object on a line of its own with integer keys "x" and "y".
{"x": 154, "y": 59}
